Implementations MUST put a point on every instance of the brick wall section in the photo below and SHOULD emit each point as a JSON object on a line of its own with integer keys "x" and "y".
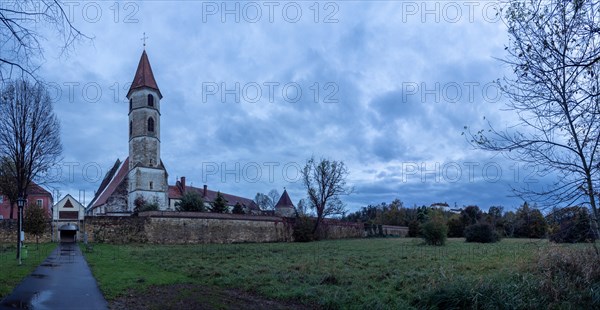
{"x": 8, "y": 233}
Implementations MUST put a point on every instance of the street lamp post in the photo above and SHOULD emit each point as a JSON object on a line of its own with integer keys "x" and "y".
{"x": 20, "y": 204}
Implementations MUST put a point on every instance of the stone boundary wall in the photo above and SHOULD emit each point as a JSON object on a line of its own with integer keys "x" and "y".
{"x": 8, "y": 233}
{"x": 400, "y": 231}
{"x": 160, "y": 227}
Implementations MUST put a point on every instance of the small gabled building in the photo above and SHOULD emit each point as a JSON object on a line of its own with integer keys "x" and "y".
{"x": 67, "y": 216}
{"x": 285, "y": 206}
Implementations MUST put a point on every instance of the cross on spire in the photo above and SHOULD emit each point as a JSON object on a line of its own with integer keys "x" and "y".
{"x": 144, "y": 37}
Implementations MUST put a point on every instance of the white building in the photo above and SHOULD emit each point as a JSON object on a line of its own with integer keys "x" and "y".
{"x": 67, "y": 216}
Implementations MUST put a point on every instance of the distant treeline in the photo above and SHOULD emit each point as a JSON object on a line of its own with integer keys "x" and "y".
{"x": 571, "y": 224}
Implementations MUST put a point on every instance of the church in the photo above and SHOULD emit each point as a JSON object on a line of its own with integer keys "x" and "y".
{"x": 142, "y": 175}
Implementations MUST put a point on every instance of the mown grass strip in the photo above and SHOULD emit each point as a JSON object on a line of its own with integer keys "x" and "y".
{"x": 11, "y": 274}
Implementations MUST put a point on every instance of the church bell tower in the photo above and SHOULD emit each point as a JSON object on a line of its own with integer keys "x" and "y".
{"x": 147, "y": 177}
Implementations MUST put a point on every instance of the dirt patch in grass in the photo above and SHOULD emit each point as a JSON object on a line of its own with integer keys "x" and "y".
{"x": 192, "y": 296}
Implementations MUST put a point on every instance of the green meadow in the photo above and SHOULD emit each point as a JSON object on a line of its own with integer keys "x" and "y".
{"x": 381, "y": 273}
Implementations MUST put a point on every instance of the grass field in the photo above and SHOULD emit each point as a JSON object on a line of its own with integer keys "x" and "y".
{"x": 10, "y": 273}
{"x": 361, "y": 273}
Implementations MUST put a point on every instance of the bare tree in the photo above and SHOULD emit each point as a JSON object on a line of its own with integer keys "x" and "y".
{"x": 273, "y": 198}
{"x": 262, "y": 201}
{"x": 554, "y": 52}
{"x": 267, "y": 202}
{"x": 325, "y": 181}
{"x": 302, "y": 208}
{"x": 29, "y": 134}
{"x": 20, "y": 38}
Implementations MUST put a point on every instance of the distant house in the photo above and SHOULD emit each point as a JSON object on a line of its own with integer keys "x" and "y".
{"x": 67, "y": 215}
{"x": 209, "y": 196}
{"x": 35, "y": 195}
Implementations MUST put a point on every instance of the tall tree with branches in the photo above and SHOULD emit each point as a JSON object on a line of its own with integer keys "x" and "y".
{"x": 325, "y": 182}
{"x": 29, "y": 134}
{"x": 21, "y": 22}
{"x": 554, "y": 53}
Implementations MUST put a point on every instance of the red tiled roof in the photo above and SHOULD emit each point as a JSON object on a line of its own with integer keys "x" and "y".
{"x": 144, "y": 76}
{"x": 116, "y": 177}
{"x": 284, "y": 201}
{"x": 35, "y": 189}
{"x": 175, "y": 192}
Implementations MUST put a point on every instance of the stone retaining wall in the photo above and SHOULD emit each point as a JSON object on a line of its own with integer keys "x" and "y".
{"x": 192, "y": 227}
{"x": 161, "y": 227}
{"x": 8, "y": 233}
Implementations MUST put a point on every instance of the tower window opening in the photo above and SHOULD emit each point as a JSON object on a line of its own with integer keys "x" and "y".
{"x": 150, "y": 100}
{"x": 150, "y": 124}
{"x": 151, "y": 185}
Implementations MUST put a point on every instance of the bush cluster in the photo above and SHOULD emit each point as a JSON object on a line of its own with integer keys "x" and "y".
{"x": 434, "y": 232}
{"x": 481, "y": 232}
{"x": 303, "y": 229}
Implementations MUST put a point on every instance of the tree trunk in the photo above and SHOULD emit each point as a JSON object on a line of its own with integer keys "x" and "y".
{"x": 12, "y": 209}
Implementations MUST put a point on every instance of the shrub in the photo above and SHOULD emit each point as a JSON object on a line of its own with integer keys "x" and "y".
{"x": 434, "y": 232}
{"x": 35, "y": 221}
{"x": 238, "y": 209}
{"x": 570, "y": 277}
{"x": 142, "y": 205}
{"x": 570, "y": 225}
{"x": 219, "y": 205}
{"x": 481, "y": 232}
{"x": 509, "y": 292}
{"x": 190, "y": 202}
{"x": 456, "y": 228}
{"x": 303, "y": 229}
{"x": 413, "y": 228}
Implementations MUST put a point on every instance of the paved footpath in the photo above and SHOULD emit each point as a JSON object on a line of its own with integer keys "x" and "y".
{"x": 63, "y": 281}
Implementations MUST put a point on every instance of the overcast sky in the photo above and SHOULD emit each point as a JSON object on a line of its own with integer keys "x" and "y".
{"x": 253, "y": 89}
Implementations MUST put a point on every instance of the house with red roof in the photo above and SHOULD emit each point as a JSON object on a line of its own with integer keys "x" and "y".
{"x": 35, "y": 195}
{"x": 142, "y": 176}
{"x": 208, "y": 196}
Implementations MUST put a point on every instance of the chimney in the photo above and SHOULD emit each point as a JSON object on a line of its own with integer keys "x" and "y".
{"x": 205, "y": 191}
{"x": 182, "y": 182}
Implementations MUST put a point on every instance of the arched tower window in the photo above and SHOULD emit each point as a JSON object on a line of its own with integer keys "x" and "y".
{"x": 130, "y": 128}
{"x": 150, "y": 124}
{"x": 151, "y": 185}
{"x": 130, "y": 104}
{"x": 150, "y": 100}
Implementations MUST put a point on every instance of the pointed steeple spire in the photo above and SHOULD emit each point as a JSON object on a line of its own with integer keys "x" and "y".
{"x": 144, "y": 76}
{"x": 284, "y": 201}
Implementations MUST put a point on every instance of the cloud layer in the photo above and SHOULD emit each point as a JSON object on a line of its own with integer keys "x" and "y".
{"x": 251, "y": 90}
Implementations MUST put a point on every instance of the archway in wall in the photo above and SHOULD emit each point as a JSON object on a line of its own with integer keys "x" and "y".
{"x": 68, "y": 233}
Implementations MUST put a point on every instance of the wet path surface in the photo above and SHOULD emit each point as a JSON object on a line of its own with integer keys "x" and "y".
{"x": 62, "y": 281}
